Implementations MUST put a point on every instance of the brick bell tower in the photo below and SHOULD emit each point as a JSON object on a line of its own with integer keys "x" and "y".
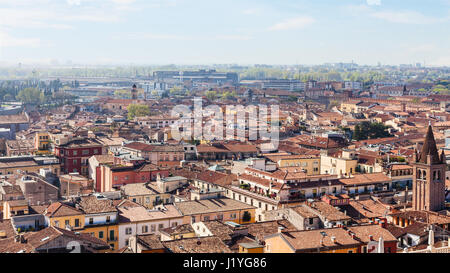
{"x": 134, "y": 92}
{"x": 429, "y": 176}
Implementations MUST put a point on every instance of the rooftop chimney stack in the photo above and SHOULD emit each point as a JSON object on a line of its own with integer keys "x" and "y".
{"x": 333, "y": 239}
{"x": 280, "y": 229}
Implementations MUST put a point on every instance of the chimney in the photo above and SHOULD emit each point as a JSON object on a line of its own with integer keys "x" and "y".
{"x": 406, "y": 194}
{"x": 333, "y": 239}
{"x": 20, "y": 239}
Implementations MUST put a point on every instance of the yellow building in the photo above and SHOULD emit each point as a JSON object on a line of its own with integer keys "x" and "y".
{"x": 42, "y": 143}
{"x": 101, "y": 219}
{"x": 15, "y": 207}
{"x": 223, "y": 209}
{"x": 310, "y": 164}
{"x": 334, "y": 240}
{"x": 344, "y": 165}
{"x": 149, "y": 243}
{"x": 177, "y": 232}
{"x": 31, "y": 164}
{"x": 349, "y": 106}
{"x": 148, "y": 195}
{"x": 356, "y": 106}
{"x": 107, "y": 233}
{"x": 251, "y": 248}
{"x": 64, "y": 216}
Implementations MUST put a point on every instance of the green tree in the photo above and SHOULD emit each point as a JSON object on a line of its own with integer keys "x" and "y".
{"x": 367, "y": 130}
{"x": 292, "y": 98}
{"x": 175, "y": 91}
{"x": 227, "y": 95}
{"x": 211, "y": 95}
{"x": 31, "y": 96}
{"x": 441, "y": 89}
{"x": 357, "y": 134}
{"x": 122, "y": 94}
{"x": 137, "y": 110}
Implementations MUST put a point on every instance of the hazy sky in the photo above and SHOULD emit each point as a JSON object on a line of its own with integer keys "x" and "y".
{"x": 225, "y": 31}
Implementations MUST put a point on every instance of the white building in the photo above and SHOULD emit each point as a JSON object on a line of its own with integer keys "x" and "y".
{"x": 137, "y": 220}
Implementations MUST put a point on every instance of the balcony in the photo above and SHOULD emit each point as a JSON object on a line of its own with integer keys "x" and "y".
{"x": 256, "y": 195}
{"x": 111, "y": 223}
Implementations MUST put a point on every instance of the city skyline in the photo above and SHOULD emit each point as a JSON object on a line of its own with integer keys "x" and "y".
{"x": 195, "y": 32}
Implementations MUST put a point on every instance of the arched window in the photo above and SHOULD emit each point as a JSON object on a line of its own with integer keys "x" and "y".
{"x": 424, "y": 175}
{"x": 419, "y": 174}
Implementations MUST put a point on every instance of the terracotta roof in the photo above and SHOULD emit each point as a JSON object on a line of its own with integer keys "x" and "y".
{"x": 316, "y": 141}
{"x": 10, "y": 119}
{"x": 305, "y": 212}
{"x": 103, "y": 159}
{"x": 150, "y": 242}
{"x": 241, "y": 148}
{"x": 395, "y": 230}
{"x": 328, "y": 211}
{"x": 197, "y": 245}
{"x": 92, "y": 205}
{"x": 139, "y": 146}
{"x": 260, "y": 230}
{"x": 295, "y": 149}
{"x": 395, "y": 167}
{"x": 365, "y": 209}
{"x": 59, "y": 209}
{"x": 6, "y": 229}
{"x": 140, "y": 189}
{"x": 203, "y": 148}
{"x": 137, "y": 214}
{"x": 220, "y": 230}
{"x": 180, "y": 229}
{"x": 211, "y": 206}
{"x": 313, "y": 240}
{"x": 34, "y": 240}
{"x": 424, "y": 217}
{"x": 417, "y": 228}
{"x": 363, "y": 233}
{"x": 370, "y": 178}
{"x": 13, "y": 189}
{"x": 217, "y": 178}
{"x": 238, "y": 240}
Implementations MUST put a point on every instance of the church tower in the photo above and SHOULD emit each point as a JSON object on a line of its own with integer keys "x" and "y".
{"x": 429, "y": 176}
{"x": 134, "y": 92}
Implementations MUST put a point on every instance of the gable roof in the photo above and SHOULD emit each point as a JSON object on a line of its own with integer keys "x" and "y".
{"x": 59, "y": 209}
{"x": 92, "y": 205}
{"x": 211, "y": 206}
{"x": 368, "y": 178}
{"x": 211, "y": 244}
{"x": 312, "y": 240}
{"x": 32, "y": 241}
